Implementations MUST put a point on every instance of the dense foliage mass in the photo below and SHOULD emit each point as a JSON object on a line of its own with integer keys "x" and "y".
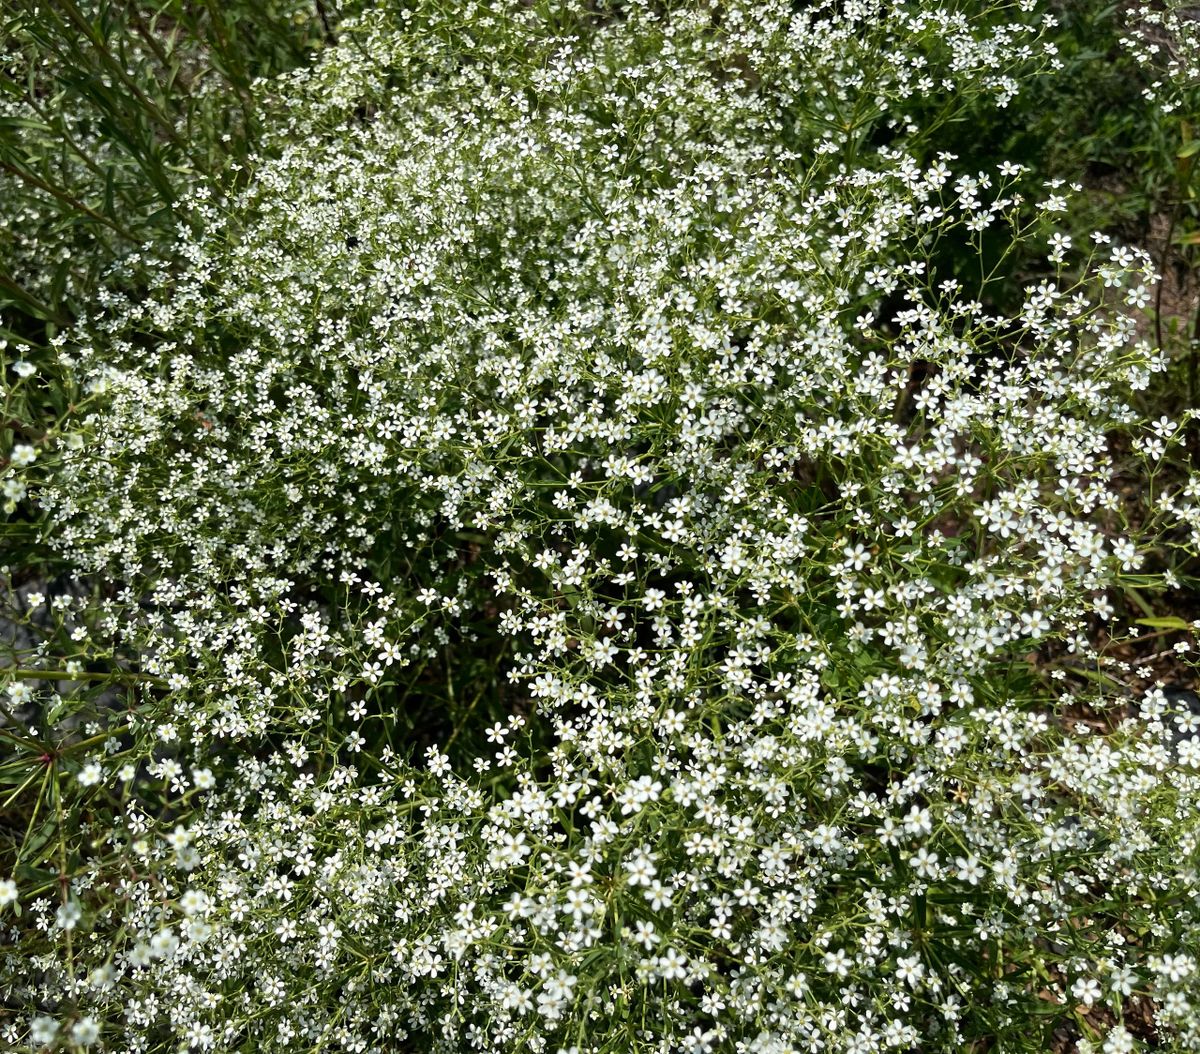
{"x": 601, "y": 529}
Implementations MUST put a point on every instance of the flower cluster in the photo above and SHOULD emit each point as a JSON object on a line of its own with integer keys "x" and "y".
{"x": 596, "y": 577}
{"x": 1165, "y": 40}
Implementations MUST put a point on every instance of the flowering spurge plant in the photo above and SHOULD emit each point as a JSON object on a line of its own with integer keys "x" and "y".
{"x": 589, "y": 576}
{"x": 1165, "y": 38}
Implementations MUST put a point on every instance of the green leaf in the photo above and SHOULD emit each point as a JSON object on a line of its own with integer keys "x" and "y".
{"x": 30, "y": 875}
{"x": 11, "y": 337}
{"x": 40, "y": 842}
{"x": 1165, "y": 622}
{"x": 23, "y": 122}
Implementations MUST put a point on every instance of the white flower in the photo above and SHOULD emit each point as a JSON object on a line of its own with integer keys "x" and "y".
{"x": 641, "y": 868}
{"x": 1086, "y": 990}
{"x": 910, "y": 970}
{"x": 672, "y": 965}
{"x": 22, "y": 455}
{"x": 837, "y": 962}
{"x": 194, "y": 902}
{"x": 68, "y": 915}
{"x": 925, "y": 863}
{"x": 20, "y": 692}
{"x": 969, "y": 869}
{"x": 645, "y": 934}
{"x": 1118, "y": 1041}
{"x": 103, "y": 977}
{"x": 91, "y": 774}
{"x": 43, "y": 1030}
{"x": 85, "y": 1031}
{"x": 699, "y": 1041}
{"x": 164, "y": 944}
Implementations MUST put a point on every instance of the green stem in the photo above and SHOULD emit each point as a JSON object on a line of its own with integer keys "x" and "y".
{"x": 67, "y": 675}
{"x": 17, "y": 793}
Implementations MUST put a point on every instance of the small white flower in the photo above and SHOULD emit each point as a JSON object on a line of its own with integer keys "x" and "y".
{"x": 91, "y": 774}
{"x": 641, "y": 868}
{"x": 85, "y": 1031}
{"x": 43, "y": 1030}
{"x": 164, "y": 944}
{"x": 925, "y": 863}
{"x": 68, "y": 915}
{"x": 910, "y": 970}
{"x": 837, "y": 962}
{"x": 20, "y": 692}
{"x": 103, "y": 977}
{"x": 969, "y": 869}
{"x": 194, "y": 902}
{"x": 1086, "y": 990}
{"x": 672, "y": 965}
{"x": 23, "y": 455}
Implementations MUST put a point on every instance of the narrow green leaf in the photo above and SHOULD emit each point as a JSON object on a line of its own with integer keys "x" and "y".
{"x": 1165, "y": 622}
